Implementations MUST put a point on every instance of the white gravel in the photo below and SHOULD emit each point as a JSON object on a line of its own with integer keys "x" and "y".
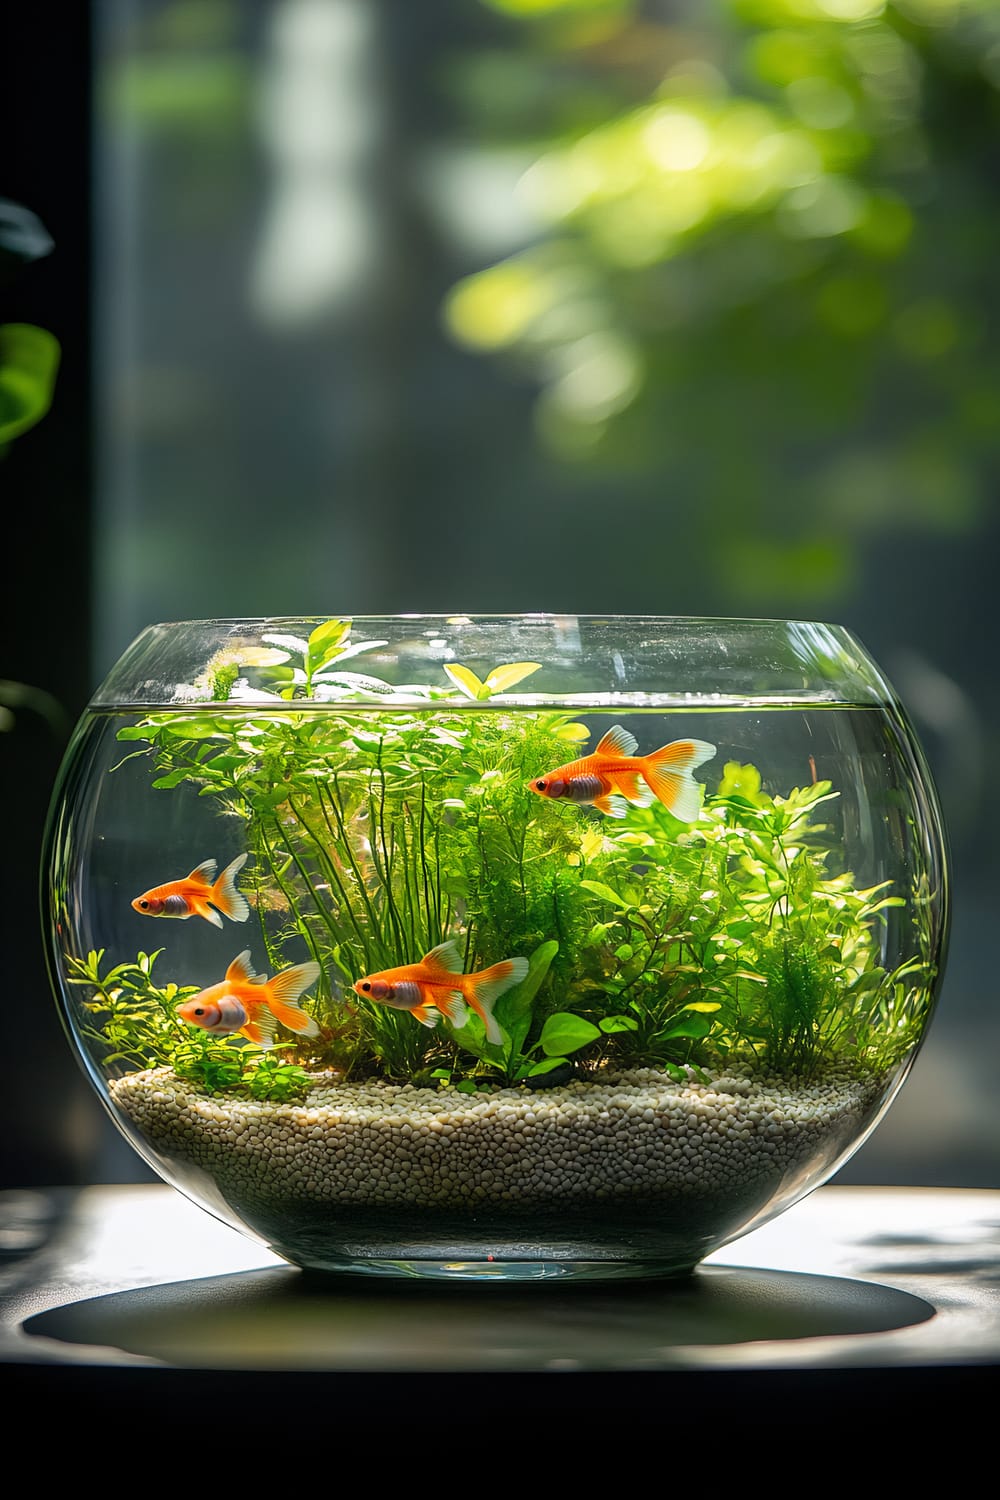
{"x": 631, "y": 1134}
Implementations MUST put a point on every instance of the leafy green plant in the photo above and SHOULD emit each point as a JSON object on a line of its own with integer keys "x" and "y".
{"x": 381, "y": 830}
{"x": 496, "y": 681}
{"x": 134, "y": 1023}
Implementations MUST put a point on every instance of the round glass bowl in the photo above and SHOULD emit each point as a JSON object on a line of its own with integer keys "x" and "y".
{"x": 515, "y": 946}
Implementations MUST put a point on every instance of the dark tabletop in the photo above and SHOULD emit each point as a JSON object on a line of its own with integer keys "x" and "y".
{"x": 872, "y": 1298}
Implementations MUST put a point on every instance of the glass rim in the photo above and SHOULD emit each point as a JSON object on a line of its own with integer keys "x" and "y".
{"x": 432, "y": 660}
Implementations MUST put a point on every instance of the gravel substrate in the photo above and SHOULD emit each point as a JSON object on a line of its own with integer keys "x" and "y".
{"x": 631, "y": 1135}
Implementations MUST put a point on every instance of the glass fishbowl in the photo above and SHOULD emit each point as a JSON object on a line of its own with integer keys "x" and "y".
{"x": 516, "y": 946}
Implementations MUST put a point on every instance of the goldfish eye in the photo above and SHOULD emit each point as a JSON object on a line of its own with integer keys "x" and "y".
{"x": 144, "y": 905}
{"x": 366, "y": 987}
{"x": 199, "y": 1011}
{"x": 540, "y": 786}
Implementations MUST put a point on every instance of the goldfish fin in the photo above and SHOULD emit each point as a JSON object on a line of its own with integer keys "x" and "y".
{"x": 260, "y": 1031}
{"x": 452, "y": 1007}
{"x": 205, "y": 871}
{"x": 231, "y": 902}
{"x": 241, "y": 970}
{"x": 617, "y": 741}
{"x": 424, "y": 1016}
{"x": 201, "y": 909}
{"x": 285, "y": 989}
{"x": 443, "y": 960}
{"x": 668, "y": 772}
{"x": 614, "y": 807}
{"x": 632, "y": 789}
{"x": 486, "y": 987}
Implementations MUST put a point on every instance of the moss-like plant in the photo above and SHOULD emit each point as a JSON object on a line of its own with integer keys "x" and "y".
{"x": 380, "y": 830}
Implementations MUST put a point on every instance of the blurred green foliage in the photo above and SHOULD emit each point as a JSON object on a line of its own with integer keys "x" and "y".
{"x": 29, "y": 356}
{"x": 764, "y": 268}
{"x": 29, "y": 364}
{"x": 29, "y": 359}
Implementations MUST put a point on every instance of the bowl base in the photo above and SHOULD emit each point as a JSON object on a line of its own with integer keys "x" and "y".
{"x": 496, "y": 1269}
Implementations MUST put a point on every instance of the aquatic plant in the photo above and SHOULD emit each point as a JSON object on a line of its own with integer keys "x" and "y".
{"x": 379, "y": 830}
{"x": 136, "y": 1024}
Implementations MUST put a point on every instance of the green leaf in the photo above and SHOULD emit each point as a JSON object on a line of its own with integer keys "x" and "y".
{"x": 513, "y": 1010}
{"x": 472, "y": 1037}
{"x": 29, "y": 362}
{"x": 341, "y": 653}
{"x": 563, "y": 1032}
{"x": 598, "y": 933}
{"x": 195, "y": 728}
{"x": 134, "y": 732}
{"x": 325, "y": 643}
{"x": 518, "y": 1001}
{"x": 740, "y": 783}
{"x": 547, "y": 1065}
{"x": 606, "y": 893}
{"x": 740, "y": 927}
{"x": 464, "y": 678}
{"x": 502, "y": 678}
{"x": 168, "y": 782}
{"x": 693, "y": 1026}
{"x": 611, "y": 1024}
{"x": 330, "y": 633}
{"x": 223, "y": 763}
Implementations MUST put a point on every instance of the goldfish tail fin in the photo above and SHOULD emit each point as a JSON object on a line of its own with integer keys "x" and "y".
{"x": 612, "y": 806}
{"x": 285, "y": 989}
{"x": 668, "y": 772}
{"x": 231, "y": 902}
{"x": 444, "y": 960}
{"x": 486, "y": 988}
{"x": 452, "y": 1007}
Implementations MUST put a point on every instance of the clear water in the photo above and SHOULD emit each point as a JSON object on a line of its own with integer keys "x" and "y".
{"x": 362, "y": 855}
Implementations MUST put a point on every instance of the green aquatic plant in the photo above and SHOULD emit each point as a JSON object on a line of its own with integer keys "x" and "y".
{"x": 734, "y": 936}
{"x": 376, "y": 838}
{"x": 380, "y": 830}
{"x": 134, "y": 1023}
{"x": 497, "y": 681}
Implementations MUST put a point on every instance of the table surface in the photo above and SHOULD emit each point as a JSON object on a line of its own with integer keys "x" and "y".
{"x": 132, "y": 1290}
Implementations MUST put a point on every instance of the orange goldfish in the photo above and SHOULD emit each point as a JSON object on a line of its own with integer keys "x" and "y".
{"x": 197, "y": 894}
{"x": 614, "y": 768}
{"x": 253, "y": 1004}
{"x": 437, "y": 981}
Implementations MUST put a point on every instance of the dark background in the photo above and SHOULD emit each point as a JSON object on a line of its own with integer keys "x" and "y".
{"x": 816, "y": 433}
{"x": 51, "y": 1133}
